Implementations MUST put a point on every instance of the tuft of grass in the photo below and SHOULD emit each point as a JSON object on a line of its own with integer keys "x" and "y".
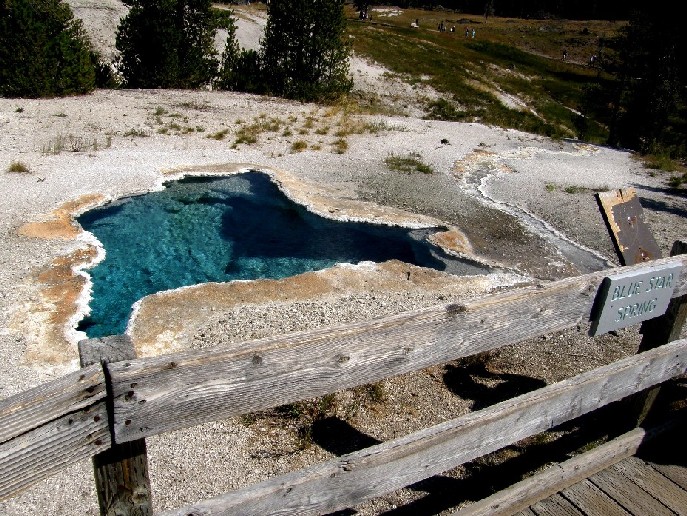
{"x": 340, "y": 145}
{"x": 261, "y": 124}
{"x": 159, "y": 111}
{"x": 19, "y": 110}
{"x": 299, "y": 146}
{"x": 678, "y": 181}
{"x": 373, "y": 392}
{"x": 550, "y": 187}
{"x": 219, "y": 135}
{"x": 136, "y": 133}
{"x": 71, "y": 143}
{"x": 660, "y": 162}
{"x": 442, "y": 109}
{"x": 62, "y": 143}
{"x": 246, "y": 134}
{"x": 573, "y": 189}
{"x": 18, "y": 167}
{"x": 407, "y": 164}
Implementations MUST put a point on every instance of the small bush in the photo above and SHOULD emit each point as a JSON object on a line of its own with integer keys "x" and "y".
{"x": 18, "y": 167}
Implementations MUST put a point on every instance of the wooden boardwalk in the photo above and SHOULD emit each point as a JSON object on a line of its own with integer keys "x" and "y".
{"x": 653, "y": 482}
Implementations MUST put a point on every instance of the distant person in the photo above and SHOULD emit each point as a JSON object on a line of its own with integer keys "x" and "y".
{"x": 473, "y": 33}
{"x": 467, "y": 32}
{"x": 565, "y": 55}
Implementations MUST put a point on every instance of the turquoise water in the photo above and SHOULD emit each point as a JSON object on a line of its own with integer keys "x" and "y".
{"x": 241, "y": 227}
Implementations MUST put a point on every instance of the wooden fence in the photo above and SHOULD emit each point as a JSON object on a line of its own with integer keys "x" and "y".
{"x": 106, "y": 409}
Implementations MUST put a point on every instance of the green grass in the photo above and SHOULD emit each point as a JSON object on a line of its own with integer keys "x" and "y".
{"x": 407, "y": 164}
{"x": 521, "y": 58}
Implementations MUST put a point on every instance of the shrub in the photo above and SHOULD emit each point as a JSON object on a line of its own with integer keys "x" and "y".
{"x": 44, "y": 51}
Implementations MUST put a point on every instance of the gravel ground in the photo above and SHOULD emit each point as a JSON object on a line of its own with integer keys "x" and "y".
{"x": 488, "y": 182}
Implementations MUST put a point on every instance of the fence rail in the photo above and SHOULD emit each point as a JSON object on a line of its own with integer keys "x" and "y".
{"x": 50, "y": 427}
{"x": 166, "y": 393}
{"x": 106, "y": 404}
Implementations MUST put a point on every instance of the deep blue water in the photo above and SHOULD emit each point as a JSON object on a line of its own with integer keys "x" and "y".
{"x": 200, "y": 230}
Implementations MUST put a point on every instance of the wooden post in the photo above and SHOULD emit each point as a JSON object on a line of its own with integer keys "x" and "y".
{"x": 121, "y": 472}
{"x": 659, "y": 331}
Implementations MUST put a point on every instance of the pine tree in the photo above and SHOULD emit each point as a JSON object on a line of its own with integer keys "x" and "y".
{"x": 651, "y": 97}
{"x": 167, "y": 44}
{"x": 240, "y": 70}
{"x": 44, "y": 51}
{"x": 303, "y": 53}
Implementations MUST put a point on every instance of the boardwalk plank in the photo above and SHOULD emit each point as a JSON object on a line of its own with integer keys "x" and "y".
{"x": 673, "y": 472}
{"x": 591, "y": 500}
{"x": 670, "y": 494}
{"x": 555, "y": 505}
{"x": 628, "y": 494}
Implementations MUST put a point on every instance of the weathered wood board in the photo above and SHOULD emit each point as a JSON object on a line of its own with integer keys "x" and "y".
{"x": 561, "y": 476}
{"x": 624, "y": 218}
{"x": 35, "y": 407}
{"x": 45, "y": 450}
{"x": 628, "y": 494}
{"x": 591, "y": 500}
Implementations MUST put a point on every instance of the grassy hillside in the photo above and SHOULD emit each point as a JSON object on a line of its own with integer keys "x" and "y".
{"x": 511, "y": 74}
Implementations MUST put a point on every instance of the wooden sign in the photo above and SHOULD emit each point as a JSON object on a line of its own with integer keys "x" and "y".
{"x": 632, "y": 297}
{"x": 624, "y": 217}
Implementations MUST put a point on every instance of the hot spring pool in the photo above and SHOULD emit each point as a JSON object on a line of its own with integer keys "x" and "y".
{"x": 240, "y": 227}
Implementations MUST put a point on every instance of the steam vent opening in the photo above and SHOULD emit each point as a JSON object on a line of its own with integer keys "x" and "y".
{"x": 219, "y": 229}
